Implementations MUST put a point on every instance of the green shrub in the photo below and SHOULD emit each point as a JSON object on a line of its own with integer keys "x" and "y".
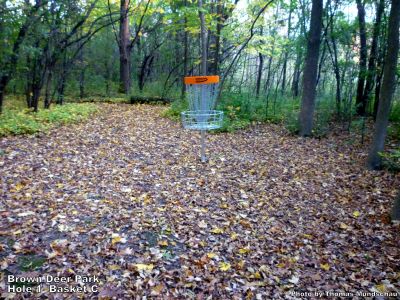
{"x": 395, "y": 112}
{"x": 175, "y": 109}
{"x": 292, "y": 122}
{"x": 15, "y": 122}
{"x": 391, "y": 160}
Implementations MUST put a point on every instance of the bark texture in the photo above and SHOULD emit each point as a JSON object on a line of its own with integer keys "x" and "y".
{"x": 311, "y": 69}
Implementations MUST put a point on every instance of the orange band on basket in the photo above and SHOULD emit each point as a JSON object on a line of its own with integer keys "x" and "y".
{"x": 201, "y": 79}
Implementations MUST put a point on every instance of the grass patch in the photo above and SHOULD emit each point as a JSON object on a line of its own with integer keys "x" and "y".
{"x": 17, "y": 121}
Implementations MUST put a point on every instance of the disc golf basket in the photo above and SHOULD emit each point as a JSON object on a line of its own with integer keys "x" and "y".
{"x": 202, "y": 93}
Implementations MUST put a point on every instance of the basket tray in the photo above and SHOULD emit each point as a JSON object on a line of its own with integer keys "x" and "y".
{"x": 202, "y": 119}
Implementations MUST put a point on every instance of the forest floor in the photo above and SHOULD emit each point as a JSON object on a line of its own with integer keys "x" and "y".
{"x": 124, "y": 197}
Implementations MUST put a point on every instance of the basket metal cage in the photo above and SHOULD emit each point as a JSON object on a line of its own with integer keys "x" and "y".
{"x": 201, "y": 114}
{"x": 202, "y": 119}
{"x": 202, "y": 93}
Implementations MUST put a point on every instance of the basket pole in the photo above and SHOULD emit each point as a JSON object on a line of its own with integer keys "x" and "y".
{"x": 203, "y": 146}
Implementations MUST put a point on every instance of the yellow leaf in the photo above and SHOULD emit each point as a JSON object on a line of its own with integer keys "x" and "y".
{"x": 224, "y": 205}
{"x": 144, "y": 267}
{"x": 356, "y": 214}
{"x": 234, "y": 236}
{"x": 325, "y": 267}
{"x": 244, "y": 250}
{"x": 223, "y": 266}
{"x": 19, "y": 186}
{"x": 217, "y": 230}
{"x": 163, "y": 243}
{"x": 381, "y": 288}
{"x": 240, "y": 264}
{"x": 116, "y": 238}
{"x": 157, "y": 290}
{"x": 343, "y": 226}
{"x": 281, "y": 265}
{"x": 114, "y": 267}
{"x": 308, "y": 236}
{"x": 211, "y": 255}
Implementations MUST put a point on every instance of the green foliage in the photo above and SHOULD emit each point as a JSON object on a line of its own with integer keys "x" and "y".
{"x": 174, "y": 111}
{"x": 391, "y": 160}
{"x": 243, "y": 109}
{"x": 30, "y": 262}
{"x": 394, "y": 118}
{"x": 15, "y": 122}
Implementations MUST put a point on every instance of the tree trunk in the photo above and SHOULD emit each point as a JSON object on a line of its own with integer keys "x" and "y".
{"x": 361, "y": 105}
{"x": 81, "y": 74}
{"x": 61, "y": 81}
{"x": 35, "y": 96}
{"x": 124, "y": 49}
{"x": 311, "y": 69}
{"x": 217, "y": 39}
{"x": 47, "y": 97}
{"x": 203, "y": 37}
{"x": 287, "y": 51}
{"x": 371, "y": 74}
{"x": 388, "y": 88}
{"x": 259, "y": 73}
{"x": 185, "y": 53}
{"x": 296, "y": 75}
{"x": 331, "y": 40}
{"x": 3, "y": 84}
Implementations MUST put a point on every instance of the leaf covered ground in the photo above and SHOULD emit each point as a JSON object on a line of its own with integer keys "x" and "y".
{"x": 124, "y": 197}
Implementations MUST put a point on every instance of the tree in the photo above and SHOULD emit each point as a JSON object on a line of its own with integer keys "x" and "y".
{"x": 125, "y": 48}
{"x": 9, "y": 63}
{"x": 388, "y": 88}
{"x": 371, "y": 73}
{"x": 311, "y": 69}
{"x": 126, "y": 42}
{"x": 361, "y": 104}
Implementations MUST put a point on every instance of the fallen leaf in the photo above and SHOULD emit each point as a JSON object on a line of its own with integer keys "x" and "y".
{"x": 223, "y": 266}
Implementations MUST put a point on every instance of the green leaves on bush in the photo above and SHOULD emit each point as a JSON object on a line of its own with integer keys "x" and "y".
{"x": 15, "y": 122}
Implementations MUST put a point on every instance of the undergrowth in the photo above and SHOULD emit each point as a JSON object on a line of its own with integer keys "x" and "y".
{"x": 24, "y": 121}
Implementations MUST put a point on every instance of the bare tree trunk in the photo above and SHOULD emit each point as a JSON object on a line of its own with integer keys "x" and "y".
{"x": 3, "y": 84}
{"x": 47, "y": 96}
{"x": 81, "y": 74}
{"x": 331, "y": 41}
{"x": 185, "y": 53}
{"x": 321, "y": 62}
{"x": 311, "y": 69}
{"x": 361, "y": 105}
{"x": 214, "y": 66}
{"x": 259, "y": 73}
{"x": 388, "y": 88}
{"x": 61, "y": 81}
{"x": 296, "y": 76}
{"x": 203, "y": 37}
{"x": 371, "y": 74}
{"x": 287, "y": 51}
{"x": 124, "y": 49}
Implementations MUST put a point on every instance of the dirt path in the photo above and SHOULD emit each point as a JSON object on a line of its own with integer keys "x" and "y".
{"x": 124, "y": 197}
